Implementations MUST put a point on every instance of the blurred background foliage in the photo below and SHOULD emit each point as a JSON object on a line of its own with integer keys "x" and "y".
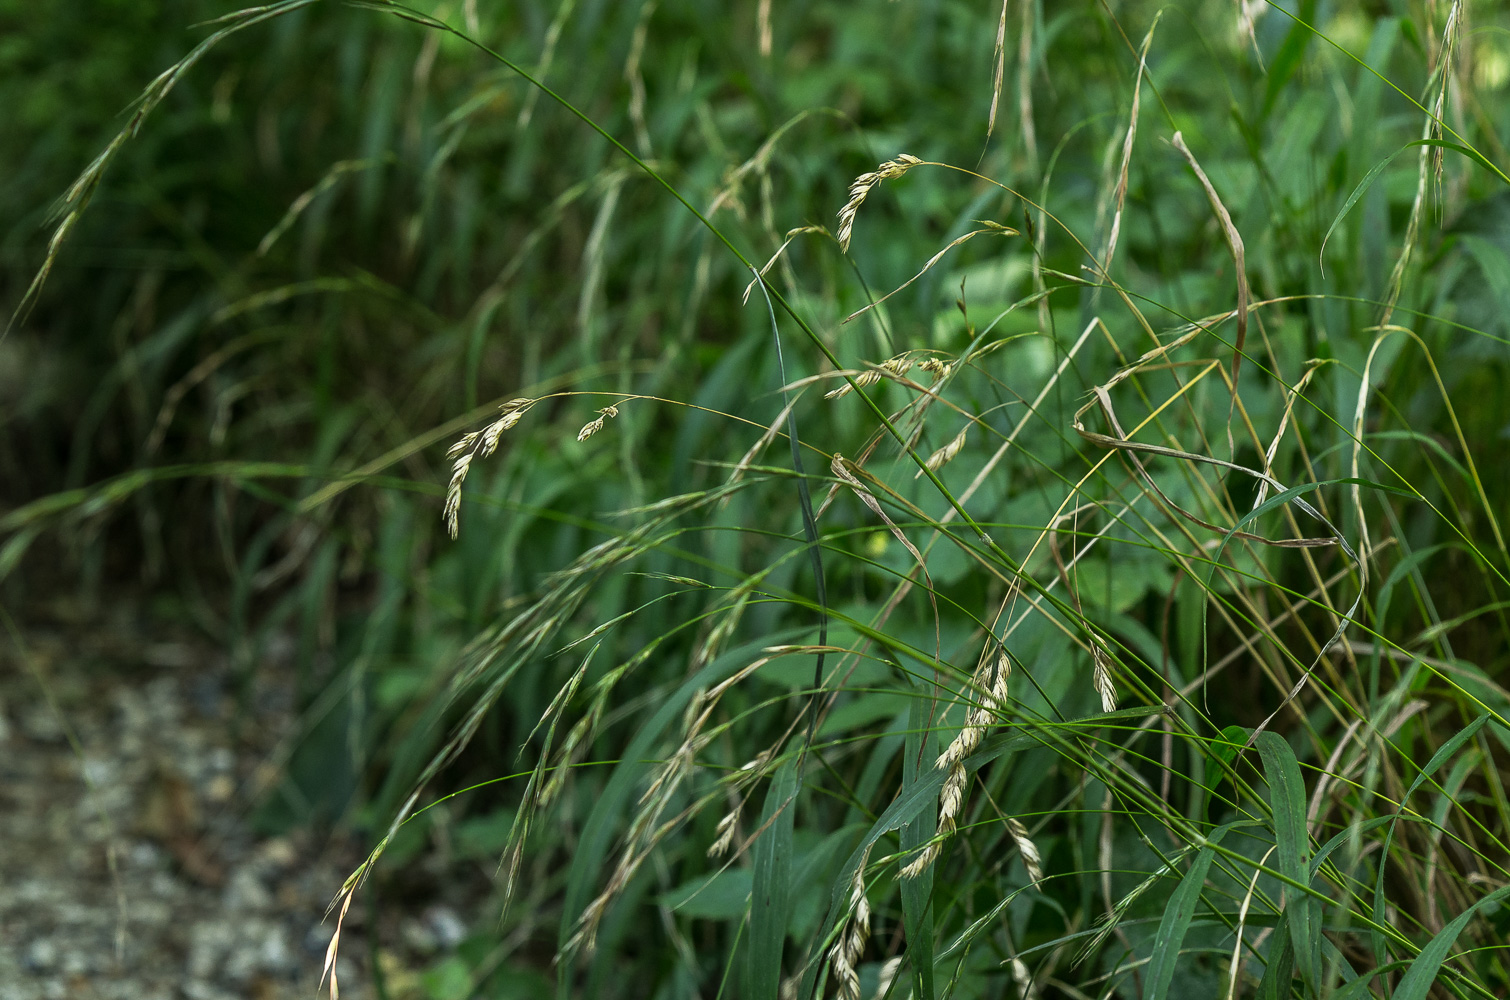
{"x": 342, "y": 240}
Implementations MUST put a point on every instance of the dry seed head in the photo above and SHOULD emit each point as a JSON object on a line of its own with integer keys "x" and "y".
{"x": 1031, "y": 859}
{"x": 1102, "y": 677}
{"x": 466, "y": 442}
{"x": 593, "y": 426}
{"x": 980, "y": 717}
{"x": 862, "y": 380}
{"x": 728, "y": 829}
{"x": 452, "y": 512}
{"x": 860, "y": 188}
{"x": 892, "y": 368}
{"x": 951, "y": 799}
{"x": 845, "y": 954}
{"x": 947, "y": 453}
{"x": 920, "y": 864}
{"x": 937, "y": 367}
{"x": 477, "y": 444}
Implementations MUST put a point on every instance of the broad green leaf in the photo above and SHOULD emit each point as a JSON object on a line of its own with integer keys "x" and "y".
{"x": 1176, "y": 920}
{"x": 1287, "y": 797}
{"x": 719, "y": 895}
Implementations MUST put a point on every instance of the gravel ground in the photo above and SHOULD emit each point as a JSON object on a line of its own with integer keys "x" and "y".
{"x": 128, "y": 869}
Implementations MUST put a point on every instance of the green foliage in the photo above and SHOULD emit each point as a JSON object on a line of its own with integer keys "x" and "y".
{"x": 337, "y": 238}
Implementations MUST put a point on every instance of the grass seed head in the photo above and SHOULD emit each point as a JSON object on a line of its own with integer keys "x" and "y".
{"x": 477, "y": 444}
{"x": 1102, "y": 677}
{"x": 859, "y": 189}
{"x": 1031, "y": 859}
{"x": 728, "y": 829}
{"x": 947, "y": 453}
{"x": 593, "y": 426}
{"x": 845, "y": 955}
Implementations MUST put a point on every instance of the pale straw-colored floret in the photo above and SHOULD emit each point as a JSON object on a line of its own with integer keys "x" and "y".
{"x": 895, "y": 367}
{"x": 728, "y": 829}
{"x": 593, "y": 426}
{"x": 844, "y": 956}
{"x": 860, "y": 381}
{"x": 947, "y": 453}
{"x": 1031, "y": 859}
{"x": 977, "y": 720}
{"x": 937, "y": 367}
{"x": 477, "y": 444}
{"x": 860, "y": 188}
{"x": 1101, "y": 676}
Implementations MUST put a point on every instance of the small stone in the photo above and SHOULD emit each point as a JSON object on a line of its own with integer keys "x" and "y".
{"x": 246, "y": 891}
{"x": 42, "y": 955}
{"x": 418, "y": 937}
{"x": 220, "y": 788}
{"x": 42, "y": 725}
{"x": 279, "y": 852}
{"x": 448, "y": 928}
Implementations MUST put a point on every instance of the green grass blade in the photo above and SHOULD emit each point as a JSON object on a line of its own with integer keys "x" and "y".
{"x": 1287, "y": 797}
{"x": 1281, "y": 969}
{"x": 638, "y": 760}
{"x": 1443, "y": 754}
{"x": 1352, "y": 199}
{"x": 770, "y": 900}
{"x": 1418, "y": 979}
{"x": 917, "y": 893}
{"x": 1176, "y": 920}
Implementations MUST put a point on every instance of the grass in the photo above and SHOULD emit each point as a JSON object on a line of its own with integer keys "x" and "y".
{"x": 1128, "y": 617}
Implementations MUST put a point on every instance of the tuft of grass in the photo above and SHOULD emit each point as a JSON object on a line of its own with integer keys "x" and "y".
{"x": 1240, "y": 557}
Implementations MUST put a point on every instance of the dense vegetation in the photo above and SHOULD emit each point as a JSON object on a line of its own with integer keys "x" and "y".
{"x": 1075, "y": 568}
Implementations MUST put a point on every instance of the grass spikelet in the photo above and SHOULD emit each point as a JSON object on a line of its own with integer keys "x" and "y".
{"x": 477, "y": 444}
{"x": 896, "y": 367}
{"x": 977, "y": 720}
{"x": 1031, "y": 859}
{"x": 1112, "y": 920}
{"x": 728, "y": 829}
{"x": 946, "y": 454}
{"x": 860, "y": 381}
{"x": 1101, "y": 676}
{"x": 999, "y": 57}
{"x": 859, "y": 190}
{"x": 593, "y": 426}
{"x": 791, "y": 235}
{"x": 844, "y": 956}
{"x": 937, "y": 367}
{"x": 1127, "y": 149}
